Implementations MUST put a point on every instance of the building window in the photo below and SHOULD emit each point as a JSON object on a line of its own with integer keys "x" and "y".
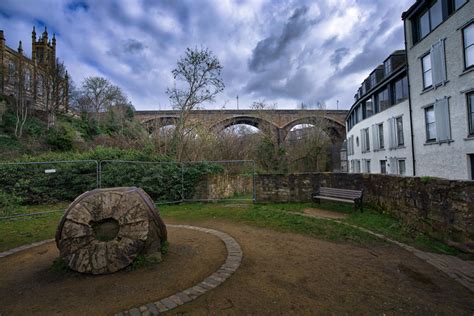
{"x": 401, "y": 167}
{"x": 468, "y": 35}
{"x": 367, "y": 165}
{"x": 437, "y": 122}
{"x": 400, "y": 90}
{"x": 365, "y": 140}
{"x": 471, "y": 158}
{"x": 27, "y": 80}
{"x": 383, "y": 100}
{"x": 458, "y": 3}
{"x": 11, "y": 72}
{"x": 426, "y": 67}
{"x": 400, "y": 139}
{"x": 39, "y": 85}
{"x": 357, "y": 166}
{"x": 373, "y": 80}
{"x": 381, "y": 137}
{"x": 387, "y": 66}
{"x": 369, "y": 107}
{"x": 470, "y": 110}
{"x": 430, "y": 124}
{"x": 429, "y": 20}
{"x": 383, "y": 166}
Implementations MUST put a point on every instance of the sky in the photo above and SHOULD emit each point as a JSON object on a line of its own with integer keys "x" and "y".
{"x": 283, "y": 52}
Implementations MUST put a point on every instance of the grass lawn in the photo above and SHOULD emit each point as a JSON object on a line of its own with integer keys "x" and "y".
{"x": 25, "y": 230}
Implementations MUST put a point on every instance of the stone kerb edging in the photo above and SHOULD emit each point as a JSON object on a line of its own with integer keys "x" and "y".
{"x": 234, "y": 258}
{"x": 24, "y": 247}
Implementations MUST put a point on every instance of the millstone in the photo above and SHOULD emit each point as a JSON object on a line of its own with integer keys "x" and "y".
{"x": 103, "y": 230}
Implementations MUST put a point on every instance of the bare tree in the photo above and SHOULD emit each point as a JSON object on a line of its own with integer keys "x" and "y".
{"x": 98, "y": 95}
{"x": 20, "y": 101}
{"x": 197, "y": 80}
{"x": 55, "y": 81}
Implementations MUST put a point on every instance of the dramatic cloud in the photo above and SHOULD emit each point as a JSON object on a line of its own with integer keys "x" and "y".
{"x": 286, "y": 52}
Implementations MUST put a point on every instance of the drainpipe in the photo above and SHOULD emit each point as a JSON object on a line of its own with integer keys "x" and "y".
{"x": 409, "y": 100}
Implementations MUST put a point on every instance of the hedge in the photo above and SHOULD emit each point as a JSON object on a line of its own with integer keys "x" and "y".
{"x": 164, "y": 180}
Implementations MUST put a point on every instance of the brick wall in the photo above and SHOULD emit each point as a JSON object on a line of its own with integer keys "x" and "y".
{"x": 441, "y": 208}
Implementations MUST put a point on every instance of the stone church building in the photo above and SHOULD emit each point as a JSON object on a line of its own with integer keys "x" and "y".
{"x": 31, "y": 78}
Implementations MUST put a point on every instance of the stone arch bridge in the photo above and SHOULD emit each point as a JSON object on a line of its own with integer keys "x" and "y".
{"x": 276, "y": 122}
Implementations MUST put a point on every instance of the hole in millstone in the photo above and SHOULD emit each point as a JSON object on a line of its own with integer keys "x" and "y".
{"x": 106, "y": 229}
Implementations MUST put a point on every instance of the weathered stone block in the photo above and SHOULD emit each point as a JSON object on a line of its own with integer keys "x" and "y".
{"x": 103, "y": 230}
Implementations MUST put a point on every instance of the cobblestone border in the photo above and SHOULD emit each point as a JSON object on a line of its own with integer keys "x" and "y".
{"x": 457, "y": 269}
{"x": 234, "y": 258}
{"x": 21, "y": 248}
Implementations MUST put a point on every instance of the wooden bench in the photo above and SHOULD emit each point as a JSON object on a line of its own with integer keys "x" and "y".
{"x": 339, "y": 195}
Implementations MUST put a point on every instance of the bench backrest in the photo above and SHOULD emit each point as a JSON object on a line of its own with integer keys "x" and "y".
{"x": 342, "y": 193}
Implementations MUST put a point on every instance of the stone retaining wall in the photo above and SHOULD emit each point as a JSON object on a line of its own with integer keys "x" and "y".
{"x": 441, "y": 208}
{"x": 223, "y": 186}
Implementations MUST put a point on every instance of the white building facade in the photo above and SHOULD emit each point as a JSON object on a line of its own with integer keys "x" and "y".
{"x": 378, "y": 124}
{"x": 440, "y": 54}
{"x": 437, "y": 117}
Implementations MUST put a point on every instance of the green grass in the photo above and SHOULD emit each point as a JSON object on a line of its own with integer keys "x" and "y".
{"x": 278, "y": 217}
{"x": 396, "y": 229}
{"x": 273, "y": 216}
{"x": 25, "y": 230}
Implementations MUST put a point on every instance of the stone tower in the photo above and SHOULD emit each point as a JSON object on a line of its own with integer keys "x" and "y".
{"x": 43, "y": 51}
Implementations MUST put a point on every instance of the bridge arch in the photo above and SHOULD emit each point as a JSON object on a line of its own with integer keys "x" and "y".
{"x": 158, "y": 122}
{"x": 334, "y": 129}
{"x": 257, "y": 122}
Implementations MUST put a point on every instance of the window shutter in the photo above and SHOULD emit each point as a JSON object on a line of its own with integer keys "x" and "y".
{"x": 362, "y": 140}
{"x": 438, "y": 63}
{"x": 392, "y": 133}
{"x": 375, "y": 142}
{"x": 443, "y": 128}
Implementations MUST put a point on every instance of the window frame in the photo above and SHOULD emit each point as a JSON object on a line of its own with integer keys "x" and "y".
{"x": 466, "y": 67}
{"x": 387, "y": 65}
{"x": 383, "y": 163}
{"x": 402, "y": 143}
{"x": 404, "y": 167}
{"x": 367, "y": 166}
{"x": 11, "y": 70}
{"x": 427, "y": 55}
{"x": 430, "y": 140}
{"x": 381, "y": 136}
{"x": 470, "y": 113}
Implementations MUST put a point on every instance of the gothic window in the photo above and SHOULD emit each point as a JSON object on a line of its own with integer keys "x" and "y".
{"x": 39, "y": 85}
{"x": 27, "y": 80}
{"x": 11, "y": 72}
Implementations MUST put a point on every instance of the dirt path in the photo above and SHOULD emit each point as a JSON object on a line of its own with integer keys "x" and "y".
{"x": 281, "y": 273}
{"x": 284, "y": 273}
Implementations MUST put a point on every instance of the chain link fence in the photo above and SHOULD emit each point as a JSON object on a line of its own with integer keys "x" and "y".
{"x": 52, "y": 182}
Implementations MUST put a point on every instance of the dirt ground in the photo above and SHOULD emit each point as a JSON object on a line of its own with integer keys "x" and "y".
{"x": 281, "y": 273}
{"x": 324, "y": 213}
{"x": 28, "y": 285}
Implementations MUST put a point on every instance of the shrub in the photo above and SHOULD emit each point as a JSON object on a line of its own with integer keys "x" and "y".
{"x": 55, "y": 182}
{"x": 8, "y": 203}
{"x": 61, "y": 137}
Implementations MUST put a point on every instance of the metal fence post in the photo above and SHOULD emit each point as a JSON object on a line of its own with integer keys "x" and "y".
{"x": 254, "y": 176}
{"x": 182, "y": 182}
